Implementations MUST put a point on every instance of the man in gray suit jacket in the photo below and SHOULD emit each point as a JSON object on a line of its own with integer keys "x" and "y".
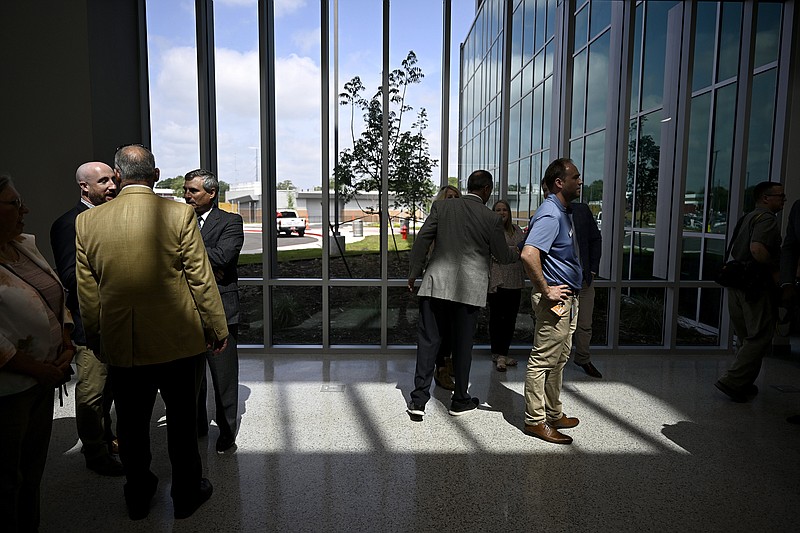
{"x": 223, "y": 235}
{"x": 454, "y": 287}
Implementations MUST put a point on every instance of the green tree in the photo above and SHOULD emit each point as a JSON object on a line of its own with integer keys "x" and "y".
{"x": 176, "y": 184}
{"x": 285, "y": 185}
{"x": 410, "y": 164}
{"x": 224, "y": 187}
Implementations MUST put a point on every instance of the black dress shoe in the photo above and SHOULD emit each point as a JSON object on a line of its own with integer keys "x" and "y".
{"x": 590, "y": 369}
{"x": 185, "y": 507}
{"x": 138, "y": 502}
{"x": 225, "y": 443}
{"x": 546, "y": 433}
{"x": 106, "y": 465}
{"x": 733, "y": 394}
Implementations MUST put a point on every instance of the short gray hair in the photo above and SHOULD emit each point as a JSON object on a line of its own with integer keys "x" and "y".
{"x": 210, "y": 181}
{"x": 135, "y": 163}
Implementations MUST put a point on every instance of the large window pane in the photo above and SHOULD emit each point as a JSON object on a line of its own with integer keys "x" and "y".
{"x": 297, "y": 315}
{"x": 578, "y": 93}
{"x": 642, "y": 317}
{"x": 172, "y": 64}
{"x": 697, "y": 162}
{"x": 251, "y": 314}
{"x": 646, "y": 167}
{"x": 762, "y": 114}
{"x": 655, "y": 47}
{"x": 704, "y": 39}
{"x": 768, "y": 32}
{"x": 730, "y": 37}
{"x": 597, "y": 85}
{"x": 592, "y": 172}
{"x": 722, "y": 160}
{"x": 355, "y": 315}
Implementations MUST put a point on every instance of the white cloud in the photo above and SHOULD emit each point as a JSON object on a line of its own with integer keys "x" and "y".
{"x": 307, "y": 40}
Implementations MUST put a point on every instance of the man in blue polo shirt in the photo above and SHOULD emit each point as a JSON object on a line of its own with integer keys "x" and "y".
{"x": 551, "y": 259}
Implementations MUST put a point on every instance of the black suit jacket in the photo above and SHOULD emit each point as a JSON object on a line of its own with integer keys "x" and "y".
{"x": 590, "y": 242}
{"x": 62, "y": 240}
{"x": 223, "y": 235}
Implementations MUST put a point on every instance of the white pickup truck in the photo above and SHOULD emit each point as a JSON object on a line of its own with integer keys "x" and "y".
{"x": 288, "y": 221}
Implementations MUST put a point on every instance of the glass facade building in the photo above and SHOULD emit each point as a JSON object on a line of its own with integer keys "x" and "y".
{"x": 671, "y": 110}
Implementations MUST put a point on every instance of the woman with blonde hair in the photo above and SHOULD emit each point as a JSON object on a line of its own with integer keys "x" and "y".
{"x": 505, "y": 289}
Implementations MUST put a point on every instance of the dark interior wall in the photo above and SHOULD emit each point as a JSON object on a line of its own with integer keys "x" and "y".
{"x": 70, "y": 93}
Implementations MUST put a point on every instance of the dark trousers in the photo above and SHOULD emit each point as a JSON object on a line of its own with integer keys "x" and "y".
{"x": 135, "y": 391}
{"x": 27, "y": 419}
{"x": 438, "y": 318}
{"x": 503, "y": 310}
{"x": 224, "y": 369}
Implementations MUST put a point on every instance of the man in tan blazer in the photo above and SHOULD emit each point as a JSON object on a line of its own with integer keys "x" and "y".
{"x": 145, "y": 286}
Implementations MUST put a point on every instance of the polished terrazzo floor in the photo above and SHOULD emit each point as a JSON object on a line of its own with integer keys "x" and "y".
{"x": 658, "y": 449}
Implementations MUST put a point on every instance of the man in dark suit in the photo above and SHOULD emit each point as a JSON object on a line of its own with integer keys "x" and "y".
{"x": 93, "y": 395}
{"x": 147, "y": 291}
{"x": 454, "y": 285}
{"x": 590, "y": 245}
{"x": 223, "y": 235}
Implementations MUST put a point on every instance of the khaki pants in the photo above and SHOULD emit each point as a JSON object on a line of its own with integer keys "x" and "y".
{"x": 552, "y": 343}
{"x": 92, "y": 403}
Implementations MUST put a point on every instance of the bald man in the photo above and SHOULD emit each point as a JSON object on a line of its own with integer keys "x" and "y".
{"x": 92, "y": 391}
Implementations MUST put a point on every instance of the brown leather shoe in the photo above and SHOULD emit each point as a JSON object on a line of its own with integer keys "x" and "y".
{"x": 564, "y": 422}
{"x": 546, "y": 433}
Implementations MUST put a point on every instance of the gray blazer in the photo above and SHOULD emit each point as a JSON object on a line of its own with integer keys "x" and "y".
{"x": 467, "y": 234}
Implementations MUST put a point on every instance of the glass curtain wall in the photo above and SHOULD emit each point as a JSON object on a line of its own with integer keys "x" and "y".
{"x": 534, "y": 79}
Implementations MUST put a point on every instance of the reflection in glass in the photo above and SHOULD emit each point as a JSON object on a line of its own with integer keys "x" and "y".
{"x": 526, "y": 126}
{"x": 548, "y": 104}
{"x": 403, "y": 311}
{"x": 762, "y": 114}
{"x": 637, "y": 59}
{"x": 641, "y": 251}
{"x": 251, "y": 314}
{"x": 697, "y": 162}
{"x": 578, "y": 93}
{"x": 713, "y": 258}
{"x": 698, "y": 321}
{"x": 655, "y": 47}
{"x": 513, "y": 131}
{"x": 538, "y": 118}
{"x": 768, "y": 32}
{"x": 592, "y": 171}
{"x": 711, "y": 308}
{"x": 541, "y": 19}
{"x": 523, "y": 190}
{"x": 600, "y": 317}
{"x": 730, "y": 37}
{"x": 296, "y": 315}
{"x": 601, "y": 16}
{"x": 645, "y": 171}
{"x": 704, "y": 37}
{"x": 516, "y": 40}
{"x": 597, "y": 86}
{"x": 355, "y": 315}
{"x": 581, "y": 26}
{"x": 722, "y": 160}
{"x": 528, "y": 18}
{"x": 690, "y": 258}
{"x": 641, "y": 321}
{"x": 576, "y": 152}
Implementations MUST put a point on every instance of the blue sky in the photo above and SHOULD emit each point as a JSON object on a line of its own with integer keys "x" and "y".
{"x": 415, "y": 25}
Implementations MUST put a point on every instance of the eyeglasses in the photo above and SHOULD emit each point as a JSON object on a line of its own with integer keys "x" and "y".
{"x": 121, "y": 146}
{"x": 18, "y": 202}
